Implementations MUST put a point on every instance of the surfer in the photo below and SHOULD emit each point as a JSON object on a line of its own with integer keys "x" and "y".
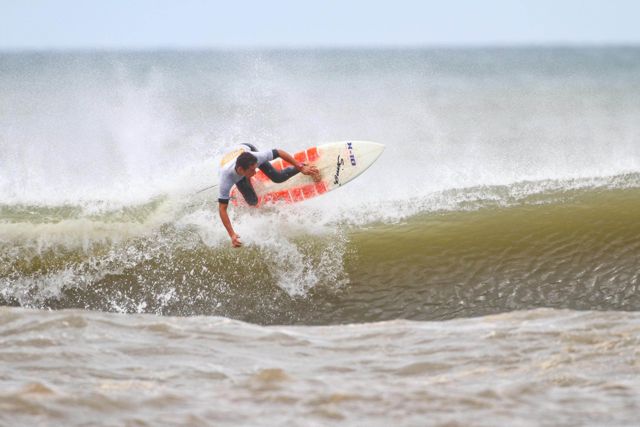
{"x": 238, "y": 166}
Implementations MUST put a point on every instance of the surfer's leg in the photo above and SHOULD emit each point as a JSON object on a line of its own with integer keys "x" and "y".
{"x": 273, "y": 174}
{"x": 278, "y": 176}
{"x": 247, "y": 191}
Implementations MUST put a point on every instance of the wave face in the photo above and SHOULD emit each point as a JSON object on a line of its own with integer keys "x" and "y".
{"x": 510, "y": 181}
{"x": 568, "y": 249}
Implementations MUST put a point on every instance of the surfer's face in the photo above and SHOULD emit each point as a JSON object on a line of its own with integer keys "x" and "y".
{"x": 248, "y": 172}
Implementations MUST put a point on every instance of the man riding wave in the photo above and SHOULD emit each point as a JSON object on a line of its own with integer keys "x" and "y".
{"x": 237, "y": 168}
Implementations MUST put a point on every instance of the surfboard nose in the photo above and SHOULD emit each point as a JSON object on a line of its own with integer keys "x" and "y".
{"x": 377, "y": 146}
{"x": 371, "y": 149}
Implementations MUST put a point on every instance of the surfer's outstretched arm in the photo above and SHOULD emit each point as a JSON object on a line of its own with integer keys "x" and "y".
{"x": 302, "y": 167}
{"x": 224, "y": 216}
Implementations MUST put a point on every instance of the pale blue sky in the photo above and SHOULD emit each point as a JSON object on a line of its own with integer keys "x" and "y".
{"x": 193, "y": 24}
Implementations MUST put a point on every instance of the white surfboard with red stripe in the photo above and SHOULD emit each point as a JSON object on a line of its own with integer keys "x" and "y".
{"x": 338, "y": 162}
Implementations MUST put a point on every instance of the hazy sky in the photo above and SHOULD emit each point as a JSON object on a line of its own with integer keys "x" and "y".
{"x": 141, "y": 24}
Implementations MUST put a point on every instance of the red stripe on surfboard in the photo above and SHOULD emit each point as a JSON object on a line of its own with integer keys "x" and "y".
{"x": 321, "y": 187}
{"x": 296, "y": 194}
{"x": 312, "y": 154}
{"x": 277, "y": 196}
{"x": 308, "y": 191}
{"x": 301, "y": 157}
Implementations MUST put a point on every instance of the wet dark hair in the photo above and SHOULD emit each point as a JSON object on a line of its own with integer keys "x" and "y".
{"x": 245, "y": 160}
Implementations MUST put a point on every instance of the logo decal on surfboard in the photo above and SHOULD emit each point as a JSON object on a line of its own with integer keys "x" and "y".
{"x": 352, "y": 156}
{"x": 339, "y": 164}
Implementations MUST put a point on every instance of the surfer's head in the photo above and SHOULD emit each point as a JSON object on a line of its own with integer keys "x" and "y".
{"x": 246, "y": 164}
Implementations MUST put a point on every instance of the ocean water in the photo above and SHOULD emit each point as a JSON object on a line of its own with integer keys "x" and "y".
{"x": 484, "y": 271}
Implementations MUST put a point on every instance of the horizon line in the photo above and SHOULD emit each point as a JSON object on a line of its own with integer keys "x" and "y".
{"x": 320, "y": 47}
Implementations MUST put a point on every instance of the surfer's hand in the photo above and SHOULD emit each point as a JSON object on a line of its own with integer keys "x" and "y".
{"x": 235, "y": 241}
{"x": 310, "y": 170}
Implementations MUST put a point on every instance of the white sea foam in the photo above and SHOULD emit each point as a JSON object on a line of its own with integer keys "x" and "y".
{"x": 121, "y": 130}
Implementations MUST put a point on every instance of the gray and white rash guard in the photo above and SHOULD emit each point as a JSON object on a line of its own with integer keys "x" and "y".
{"x": 227, "y": 174}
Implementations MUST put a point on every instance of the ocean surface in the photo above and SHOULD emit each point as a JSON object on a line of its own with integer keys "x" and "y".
{"x": 484, "y": 271}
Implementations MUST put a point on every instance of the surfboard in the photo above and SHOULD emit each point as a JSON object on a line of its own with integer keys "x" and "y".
{"x": 338, "y": 163}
